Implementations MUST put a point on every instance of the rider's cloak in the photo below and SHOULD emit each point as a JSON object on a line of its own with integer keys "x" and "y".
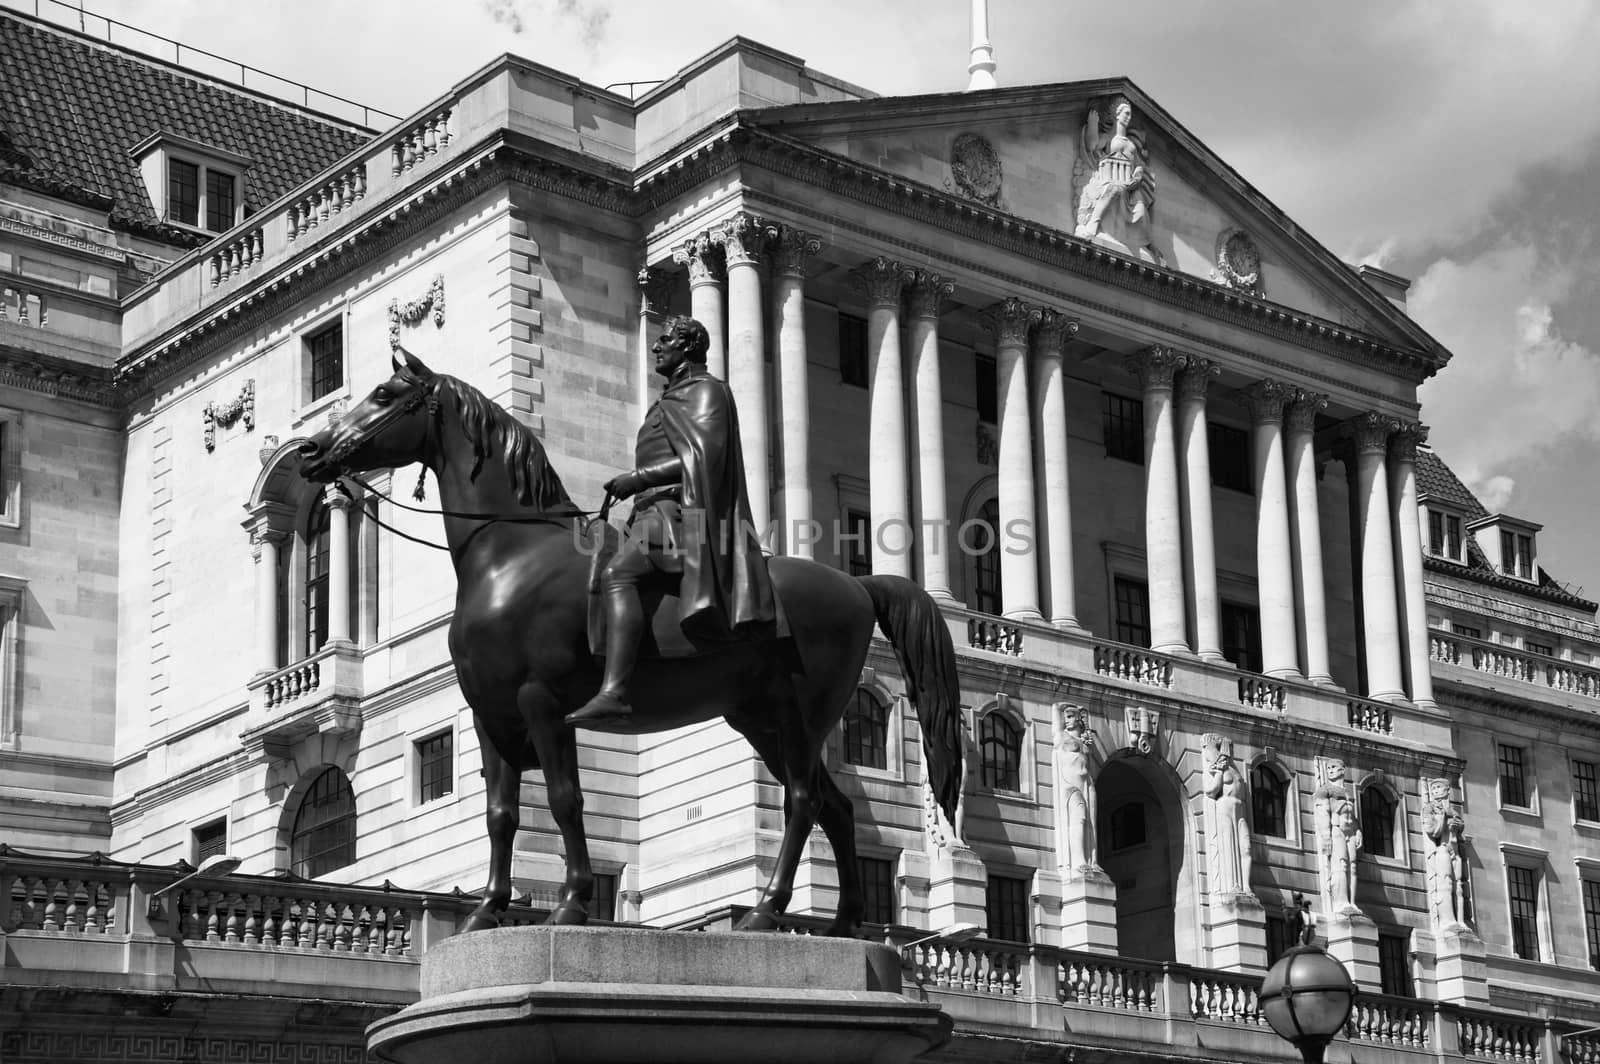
{"x": 726, "y": 590}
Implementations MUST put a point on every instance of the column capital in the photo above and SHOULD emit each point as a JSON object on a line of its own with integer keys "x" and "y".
{"x": 743, "y": 238}
{"x": 882, "y": 279}
{"x": 655, "y": 288}
{"x": 1009, "y": 321}
{"x": 266, "y": 534}
{"x": 702, "y": 256}
{"x": 1265, "y": 400}
{"x": 1370, "y": 432}
{"x": 1403, "y": 444}
{"x": 1155, "y": 366}
{"x": 927, "y": 293}
{"x": 1301, "y": 415}
{"x": 1197, "y": 374}
{"x": 1052, "y": 332}
{"x": 790, "y": 249}
{"x": 335, "y": 499}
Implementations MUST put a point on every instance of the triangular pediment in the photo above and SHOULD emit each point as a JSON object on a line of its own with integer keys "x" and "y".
{"x": 1144, "y": 187}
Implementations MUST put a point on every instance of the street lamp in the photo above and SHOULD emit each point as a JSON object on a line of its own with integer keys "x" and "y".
{"x": 953, "y": 933}
{"x": 218, "y": 864}
{"x": 1307, "y": 997}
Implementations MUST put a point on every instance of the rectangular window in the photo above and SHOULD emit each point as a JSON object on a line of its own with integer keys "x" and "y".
{"x": 219, "y": 201}
{"x": 1444, "y": 535}
{"x": 1241, "y": 636}
{"x": 1394, "y": 965}
{"x": 1006, "y": 908}
{"x": 435, "y": 768}
{"x": 877, "y": 887}
{"x": 986, "y": 389}
{"x": 1516, "y": 555}
{"x": 1513, "y": 777}
{"x": 325, "y": 360}
{"x": 1467, "y": 630}
{"x": 1132, "y": 605}
{"x": 1452, "y": 536}
{"x": 183, "y": 192}
{"x": 210, "y": 840}
{"x": 1545, "y": 649}
{"x": 853, "y": 350}
{"x": 1585, "y": 791}
{"x": 1591, "y": 919}
{"x": 1230, "y": 457}
{"x": 1522, "y": 888}
{"x": 10, "y": 469}
{"x": 858, "y": 546}
{"x": 11, "y": 599}
{"x": 1277, "y": 938}
{"x": 1122, "y": 420}
{"x": 603, "y": 906}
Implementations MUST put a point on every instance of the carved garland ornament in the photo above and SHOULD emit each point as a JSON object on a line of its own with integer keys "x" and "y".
{"x": 1238, "y": 262}
{"x": 242, "y": 408}
{"x": 413, "y": 312}
{"x": 975, "y": 168}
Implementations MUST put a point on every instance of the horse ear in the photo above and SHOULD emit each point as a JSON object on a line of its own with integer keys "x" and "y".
{"x": 413, "y": 364}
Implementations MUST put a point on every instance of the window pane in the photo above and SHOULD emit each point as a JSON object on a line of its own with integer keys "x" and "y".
{"x": 603, "y": 906}
{"x": 1230, "y": 457}
{"x": 1241, "y": 636}
{"x": 1277, "y": 938}
{"x": 1435, "y": 532}
{"x": 1513, "y": 778}
{"x": 1123, "y": 423}
{"x": 1000, "y": 752}
{"x": 1522, "y": 884}
{"x": 1377, "y": 823}
{"x": 986, "y": 389}
{"x": 325, "y": 357}
{"x": 317, "y": 539}
{"x": 183, "y": 192}
{"x": 866, "y": 732}
{"x": 1269, "y": 801}
{"x": 219, "y": 201}
{"x": 1394, "y": 965}
{"x": 982, "y": 542}
{"x": 210, "y": 840}
{"x": 1006, "y": 908}
{"x": 853, "y": 350}
{"x": 324, "y": 837}
{"x": 877, "y": 888}
{"x": 1591, "y": 919}
{"x": 1585, "y": 791}
{"x": 435, "y": 767}
{"x": 1133, "y": 612}
{"x": 858, "y": 544}
{"x": 1467, "y": 630}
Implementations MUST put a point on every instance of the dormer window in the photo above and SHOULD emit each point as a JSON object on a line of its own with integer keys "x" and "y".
{"x": 1444, "y": 535}
{"x": 1516, "y": 555}
{"x": 1509, "y": 545}
{"x": 192, "y": 184}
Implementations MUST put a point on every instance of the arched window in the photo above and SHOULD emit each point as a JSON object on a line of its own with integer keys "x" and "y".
{"x": 324, "y": 835}
{"x": 1000, "y": 752}
{"x": 866, "y": 731}
{"x": 1377, "y": 822}
{"x": 1269, "y": 801}
{"x": 981, "y": 542}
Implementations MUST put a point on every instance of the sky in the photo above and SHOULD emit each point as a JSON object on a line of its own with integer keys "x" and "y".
{"x": 1453, "y": 143}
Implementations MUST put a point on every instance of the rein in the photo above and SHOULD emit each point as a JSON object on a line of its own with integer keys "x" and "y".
{"x": 542, "y": 517}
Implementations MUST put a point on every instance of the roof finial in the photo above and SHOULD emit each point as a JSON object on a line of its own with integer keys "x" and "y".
{"x": 982, "y": 66}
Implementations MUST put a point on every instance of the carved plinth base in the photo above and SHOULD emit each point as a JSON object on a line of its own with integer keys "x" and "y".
{"x": 1453, "y": 961}
{"x": 1046, "y": 897}
{"x": 958, "y": 882}
{"x": 1089, "y": 911}
{"x": 1238, "y": 933}
{"x": 578, "y": 995}
{"x": 1353, "y": 940}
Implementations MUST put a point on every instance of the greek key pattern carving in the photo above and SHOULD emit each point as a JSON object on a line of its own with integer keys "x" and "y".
{"x": 85, "y": 1045}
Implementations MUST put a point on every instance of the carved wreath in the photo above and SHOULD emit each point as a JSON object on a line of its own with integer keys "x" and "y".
{"x": 414, "y": 311}
{"x": 1238, "y": 262}
{"x": 975, "y": 168}
{"x": 242, "y": 408}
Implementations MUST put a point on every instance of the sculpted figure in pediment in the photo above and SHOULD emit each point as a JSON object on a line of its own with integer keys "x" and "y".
{"x": 1111, "y": 178}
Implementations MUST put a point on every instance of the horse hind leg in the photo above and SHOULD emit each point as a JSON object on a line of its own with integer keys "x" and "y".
{"x": 795, "y": 762}
{"x": 837, "y": 817}
{"x": 557, "y": 746}
{"x": 502, "y": 784}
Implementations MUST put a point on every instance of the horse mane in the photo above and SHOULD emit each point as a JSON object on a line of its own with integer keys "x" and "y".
{"x": 493, "y": 432}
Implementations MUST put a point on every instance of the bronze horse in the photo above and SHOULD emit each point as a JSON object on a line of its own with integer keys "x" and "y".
{"x": 519, "y": 641}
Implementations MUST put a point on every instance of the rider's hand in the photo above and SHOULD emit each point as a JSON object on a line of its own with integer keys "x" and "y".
{"x": 623, "y": 485}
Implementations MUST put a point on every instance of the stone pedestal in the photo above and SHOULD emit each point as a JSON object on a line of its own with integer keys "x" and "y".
{"x": 1353, "y": 940}
{"x": 1045, "y": 895}
{"x": 1453, "y": 961}
{"x": 1088, "y": 911}
{"x": 1238, "y": 934}
{"x": 958, "y": 885}
{"x": 576, "y": 995}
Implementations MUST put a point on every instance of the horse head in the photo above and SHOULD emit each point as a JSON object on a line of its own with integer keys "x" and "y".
{"x": 389, "y": 428}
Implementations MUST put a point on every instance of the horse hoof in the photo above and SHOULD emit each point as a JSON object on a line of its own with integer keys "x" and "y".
{"x": 568, "y": 914}
{"x": 480, "y": 921}
{"x": 758, "y": 919}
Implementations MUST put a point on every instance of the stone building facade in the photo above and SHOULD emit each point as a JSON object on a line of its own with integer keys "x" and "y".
{"x": 1157, "y": 453}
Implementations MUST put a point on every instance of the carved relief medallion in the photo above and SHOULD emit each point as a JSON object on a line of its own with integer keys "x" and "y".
{"x": 975, "y": 168}
{"x": 1238, "y": 262}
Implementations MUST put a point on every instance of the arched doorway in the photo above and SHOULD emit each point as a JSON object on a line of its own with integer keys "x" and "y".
{"x": 1140, "y": 838}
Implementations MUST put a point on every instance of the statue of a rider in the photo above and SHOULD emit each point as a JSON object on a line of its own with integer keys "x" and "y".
{"x": 690, "y": 528}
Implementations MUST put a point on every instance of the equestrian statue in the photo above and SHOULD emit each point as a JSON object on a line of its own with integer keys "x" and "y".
{"x": 562, "y": 622}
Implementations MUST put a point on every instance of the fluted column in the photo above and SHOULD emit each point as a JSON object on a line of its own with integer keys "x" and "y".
{"x": 1413, "y": 607}
{"x": 1054, "y": 508}
{"x": 1009, "y": 320}
{"x": 1380, "y": 622}
{"x": 266, "y": 542}
{"x": 790, "y": 252}
{"x": 338, "y": 565}
{"x": 1163, "y": 527}
{"x": 1199, "y": 528}
{"x": 703, "y": 257}
{"x": 655, "y": 288}
{"x": 927, "y": 428}
{"x": 743, "y": 240}
{"x": 1274, "y": 562}
{"x": 1305, "y": 530}
{"x": 888, "y": 475}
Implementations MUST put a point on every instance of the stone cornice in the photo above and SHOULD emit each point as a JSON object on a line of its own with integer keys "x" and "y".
{"x": 57, "y": 377}
{"x": 1489, "y": 578}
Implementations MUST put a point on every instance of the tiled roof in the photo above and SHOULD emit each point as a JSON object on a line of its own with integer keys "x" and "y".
{"x": 1436, "y": 479}
{"x": 72, "y": 108}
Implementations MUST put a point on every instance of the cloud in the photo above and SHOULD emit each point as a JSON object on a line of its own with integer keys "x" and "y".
{"x": 519, "y": 16}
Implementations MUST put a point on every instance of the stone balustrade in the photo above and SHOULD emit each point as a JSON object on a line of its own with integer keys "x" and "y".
{"x": 1365, "y": 715}
{"x": 1258, "y": 692}
{"x": 321, "y": 693}
{"x": 995, "y": 636}
{"x": 333, "y": 197}
{"x": 1133, "y": 664}
{"x": 1391, "y": 1021}
{"x": 234, "y": 256}
{"x": 1492, "y": 660}
{"x": 1226, "y": 997}
{"x": 1499, "y": 1037}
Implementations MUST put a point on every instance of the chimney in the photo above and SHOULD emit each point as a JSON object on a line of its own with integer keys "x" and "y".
{"x": 1391, "y": 286}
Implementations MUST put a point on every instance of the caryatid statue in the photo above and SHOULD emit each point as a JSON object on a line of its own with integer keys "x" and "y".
{"x": 1442, "y": 824}
{"x": 1227, "y": 809}
{"x": 1074, "y": 792}
{"x": 1338, "y": 833}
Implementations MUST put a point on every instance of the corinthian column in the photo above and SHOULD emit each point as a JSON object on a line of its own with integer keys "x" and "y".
{"x": 1413, "y": 607}
{"x": 1009, "y": 320}
{"x": 1274, "y": 562}
{"x": 1305, "y": 527}
{"x": 1050, "y": 457}
{"x": 655, "y": 288}
{"x": 927, "y": 428}
{"x": 888, "y": 478}
{"x": 1163, "y": 527}
{"x": 704, "y": 259}
{"x": 743, "y": 238}
{"x": 1199, "y": 530}
{"x": 1380, "y": 622}
{"x": 794, "y": 405}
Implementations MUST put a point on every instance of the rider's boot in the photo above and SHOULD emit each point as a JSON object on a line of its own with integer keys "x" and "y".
{"x": 624, "y": 629}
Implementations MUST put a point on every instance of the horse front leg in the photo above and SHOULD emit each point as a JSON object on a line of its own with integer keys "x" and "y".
{"x": 502, "y": 782}
{"x": 557, "y": 745}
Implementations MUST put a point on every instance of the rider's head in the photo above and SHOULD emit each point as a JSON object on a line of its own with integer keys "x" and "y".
{"x": 696, "y": 341}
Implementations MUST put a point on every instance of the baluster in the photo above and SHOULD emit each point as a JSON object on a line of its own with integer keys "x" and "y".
{"x": 344, "y": 926}
{"x": 92, "y": 910}
{"x": 252, "y": 919}
{"x": 52, "y": 906}
{"x": 70, "y": 910}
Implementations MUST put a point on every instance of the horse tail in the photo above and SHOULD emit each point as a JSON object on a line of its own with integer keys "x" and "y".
{"x": 921, "y": 641}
